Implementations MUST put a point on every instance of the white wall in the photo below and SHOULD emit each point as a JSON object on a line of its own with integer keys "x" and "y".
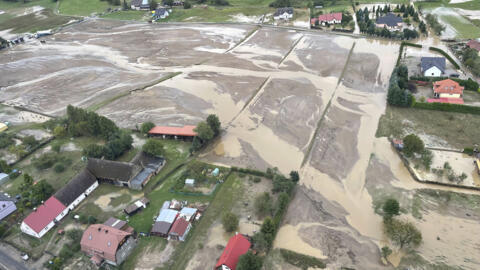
{"x": 443, "y": 95}
{"x": 26, "y": 229}
{"x": 432, "y": 72}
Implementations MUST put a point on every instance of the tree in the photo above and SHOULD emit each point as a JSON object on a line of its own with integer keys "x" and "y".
{"x": 412, "y": 144}
{"x": 386, "y": 251}
{"x": 94, "y": 151}
{"x": 268, "y": 226}
{"x": 422, "y": 27}
{"x": 249, "y": 261}
{"x": 294, "y": 176}
{"x": 187, "y": 5}
{"x": 146, "y": 127}
{"x": 153, "y": 4}
{"x": 4, "y": 167}
{"x": 402, "y": 233}
{"x": 153, "y": 147}
{"x": 263, "y": 204}
{"x": 29, "y": 141}
{"x": 214, "y": 123}
{"x": 59, "y": 132}
{"x": 260, "y": 243}
{"x": 391, "y": 208}
{"x": 229, "y": 221}
{"x": 280, "y": 3}
{"x": 205, "y": 133}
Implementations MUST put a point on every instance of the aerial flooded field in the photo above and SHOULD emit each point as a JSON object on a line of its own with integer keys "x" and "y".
{"x": 293, "y": 100}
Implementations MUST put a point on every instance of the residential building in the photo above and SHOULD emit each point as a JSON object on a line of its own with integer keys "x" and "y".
{"x": 432, "y": 66}
{"x": 160, "y": 13}
{"x": 164, "y": 222}
{"x": 43, "y": 218}
{"x": 7, "y": 205}
{"x": 330, "y": 18}
{"x": 166, "y": 132}
{"x": 107, "y": 244}
{"x": 179, "y": 230}
{"x": 136, "y": 206}
{"x": 236, "y": 247}
{"x": 140, "y": 5}
{"x": 447, "y": 89}
{"x": 390, "y": 21}
{"x": 283, "y": 13}
{"x": 474, "y": 44}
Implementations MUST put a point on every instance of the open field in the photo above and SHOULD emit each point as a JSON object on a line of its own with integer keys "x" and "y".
{"x": 83, "y": 7}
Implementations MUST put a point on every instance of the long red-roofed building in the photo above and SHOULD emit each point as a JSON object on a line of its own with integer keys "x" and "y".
{"x": 330, "y": 18}
{"x": 184, "y": 132}
{"x": 41, "y": 220}
{"x": 236, "y": 247}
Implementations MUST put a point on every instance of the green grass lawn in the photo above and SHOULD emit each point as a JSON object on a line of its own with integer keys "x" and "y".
{"x": 83, "y": 7}
{"x": 19, "y": 5}
{"x": 144, "y": 244}
{"x": 133, "y": 15}
{"x": 464, "y": 28}
{"x": 33, "y": 22}
{"x": 214, "y": 14}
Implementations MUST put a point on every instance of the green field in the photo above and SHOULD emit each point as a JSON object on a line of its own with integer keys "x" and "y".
{"x": 464, "y": 28}
{"x": 214, "y": 14}
{"x": 45, "y": 19}
{"x": 132, "y": 15}
{"x": 83, "y": 7}
{"x": 20, "y": 5}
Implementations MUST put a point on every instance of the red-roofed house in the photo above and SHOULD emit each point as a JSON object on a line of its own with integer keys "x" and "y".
{"x": 184, "y": 132}
{"x": 179, "y": 230}
{"x": 41, "y": 220}
{"x": 330, "y": 18}
{"x": 447, "y": 89}
{"x": 473, "y": 44}
{"x": 236, "y": 247}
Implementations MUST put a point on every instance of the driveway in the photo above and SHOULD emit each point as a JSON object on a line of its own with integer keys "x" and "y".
{"x": 8, "y": 263}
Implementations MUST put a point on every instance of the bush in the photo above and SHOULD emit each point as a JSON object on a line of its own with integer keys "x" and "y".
{"x": 187, "y": 5}
{"x": 153, "y": 147}
{"x": 391, "y": 208}
{"x": 263, "y": 204}
{"x": 280, "y": 3}
{"x": 5, "y": 140}
{"x": 300, "y": 260}
{"x": 249, "y": 261}
{"x": 446, "y": 107}
{"x": 257, "y": 179}
{"x": 412, "y": 144}
{"x": 45, "y": 161}
{"x": 146, "y": 127}
{"x": 229, "y": 221}
{"x": 59, "y": 168}
{"x": 468, "y": 151}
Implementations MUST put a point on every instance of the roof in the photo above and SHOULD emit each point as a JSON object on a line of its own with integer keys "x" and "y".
{"x": 142, "y": 176}
{"x": 447, "y": 86}
{"x": 166, "y": 205}
{"x": 188, "y": 211}
{"x": 428, "y": 62}
{"x": 136, "y": 205}
{"x": 112, "y": 170}
{"x": 140, "y": 3}
{"x": 3, "y": 175}
{"x": 445, "y": 100}
{"x": 76, "y": 187}
{"x": 45, "y": 213}
{"x": 179, "y": 131}
{"x": 390, "y": 20}
{"x": 330, "y": 17}
{"x": 189, "y": 181}
{"x": 473, "y": 44}
{"x": 236, "y": 247}
{"x": 115, "y": 223}
{"x": 283, "y": 10}
{"x": 5, "y": 198}
{"x": 179, "y": 227}
{"x": 3, "y": 127}
{"x": 161, "y": 227}
{"x": 167, "y": 215}
{"x": 103, "y": 239}
{"x": 160, "y": 11}
{"x": 148, "y": 161}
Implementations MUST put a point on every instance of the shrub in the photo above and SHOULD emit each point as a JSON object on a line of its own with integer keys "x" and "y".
{"x": 146, "y": 127}
{"x": 229, "y": 221}
{"x": 257, "y": 179}
{"x": 249, "y": 261}
{"x": 300, "y": 260}
{"x": 263, "y": 204}
{"x": 45, "y": 161}
{"x": 391, "y": 208}
{"x": 468, "y": 151}
{"x": 446, "y": 107}
{"x": 412, "y": 144}
{"x": 442, "y": 52}
{"x": 59, "y": 168}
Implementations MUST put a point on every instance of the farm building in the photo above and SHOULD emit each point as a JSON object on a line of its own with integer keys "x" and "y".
{"x": 43, "y": 218}
{"x": 283, "y": 13}
{"x": 164, "y": 222}
{"x": 140, "y": 5}
{"x": 188, "y": 213}
{"x": 185, "y": 132}
{"x": 390, "y": 21}
{"x": 432, "y": 66}
{"x": 103, "y": 243}
{"x": 447, "y": 89}
{"x": 179, "y": 230}
{"x": 236, "y": 247}
{"x": 75, "y": 191}
{"x": 330, "y": 18}
{"x": 136, "y": 206}
{"x": 7, "y": 206}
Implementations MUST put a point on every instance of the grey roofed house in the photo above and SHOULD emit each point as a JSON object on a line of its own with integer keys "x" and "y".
{"x": 112, "y": 170}
{"x": 7, "y": 205}
{"x": 283, "y": 10}
{"x": 390, "y": 20}
{"x": 428, "y": 62}
{"x": 141, "y": 4}
{"x": 78, "y": 185}
{"x": 161, "y": 228}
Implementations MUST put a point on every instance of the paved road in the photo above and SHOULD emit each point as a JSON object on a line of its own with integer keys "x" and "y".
{"x": 7, "y": 263}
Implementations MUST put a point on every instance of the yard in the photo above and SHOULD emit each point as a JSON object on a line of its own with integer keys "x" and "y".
{"x": 83, "y": 7}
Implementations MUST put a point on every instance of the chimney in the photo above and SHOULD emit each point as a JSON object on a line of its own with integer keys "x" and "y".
{"x": 106, "y": 231}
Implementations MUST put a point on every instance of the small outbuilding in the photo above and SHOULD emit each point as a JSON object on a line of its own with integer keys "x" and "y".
{"x": 188, "y": 213}
{"x": 136, "y": 206}
{"x": 189, "y": 182}
{"x": 3, "y": 177}
{"x": 179, "y": 230}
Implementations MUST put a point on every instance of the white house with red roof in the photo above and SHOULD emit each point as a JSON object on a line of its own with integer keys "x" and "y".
{"x": 330, "y": 18}
{"x": 43, "y": 218}
{"x": 236, "y": 247}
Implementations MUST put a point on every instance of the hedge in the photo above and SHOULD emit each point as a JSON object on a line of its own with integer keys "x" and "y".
{"x": 446, "y": 107}
{"x": 446, "y": 56}
{"x": 468, "y": 151}
{"x": 468, "y": 84}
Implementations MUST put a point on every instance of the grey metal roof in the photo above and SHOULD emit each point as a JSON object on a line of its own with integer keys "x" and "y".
{"x": 280, "y": 11}
{"x": 167, "y": 215}
{"x": 390, "y": 19}
{"x": 5, "y": 198}
{"x": 141, "y": 177}
{"x": 428, "y": 62}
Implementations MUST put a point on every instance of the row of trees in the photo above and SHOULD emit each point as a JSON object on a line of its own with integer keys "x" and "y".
{"x": 471, "y": 59}
{"x": 433, "y": 22}
{"x": 206, "y": 132}
{"x": 398, "y": 94}
{"x": 33, "y": 194}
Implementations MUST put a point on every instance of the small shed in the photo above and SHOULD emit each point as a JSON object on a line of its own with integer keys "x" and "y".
{"x": 397, "y": 143}
{"x": 190, "y": 182}
{"x": 188, "y": 213}
{"x": 3, "y": 177}
{"x": 136, "y": 206}
{"x": 215, "y": 172}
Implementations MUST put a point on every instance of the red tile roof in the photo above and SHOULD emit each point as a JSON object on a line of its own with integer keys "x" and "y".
{"x": 45, "y": 213}
{"x": 102, "y": 240}
{"x": 179, "y": 131}
{"x": 179, "y": 227}
{"x": 474, "y": 44}
{"x": 447, "y": 86}
{"x": 445, "y": 100}
{"x": 330, "y": 17}
{"x": 236, "y": 247}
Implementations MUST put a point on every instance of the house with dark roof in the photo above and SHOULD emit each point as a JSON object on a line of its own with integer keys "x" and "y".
{"x": 140, "y": 5}
{"x": 105, "y": 244}
{"x": 179, "y": 230}
{"x": 390, "y": 21}
{"x": 284, "y": 13}
{"x": 7, "y": 205}
{"x": 236, "y": 247}
{"x": 432, "y": 66}
{"x": 160, "y": 13}
{"x": 43, "y": 218}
